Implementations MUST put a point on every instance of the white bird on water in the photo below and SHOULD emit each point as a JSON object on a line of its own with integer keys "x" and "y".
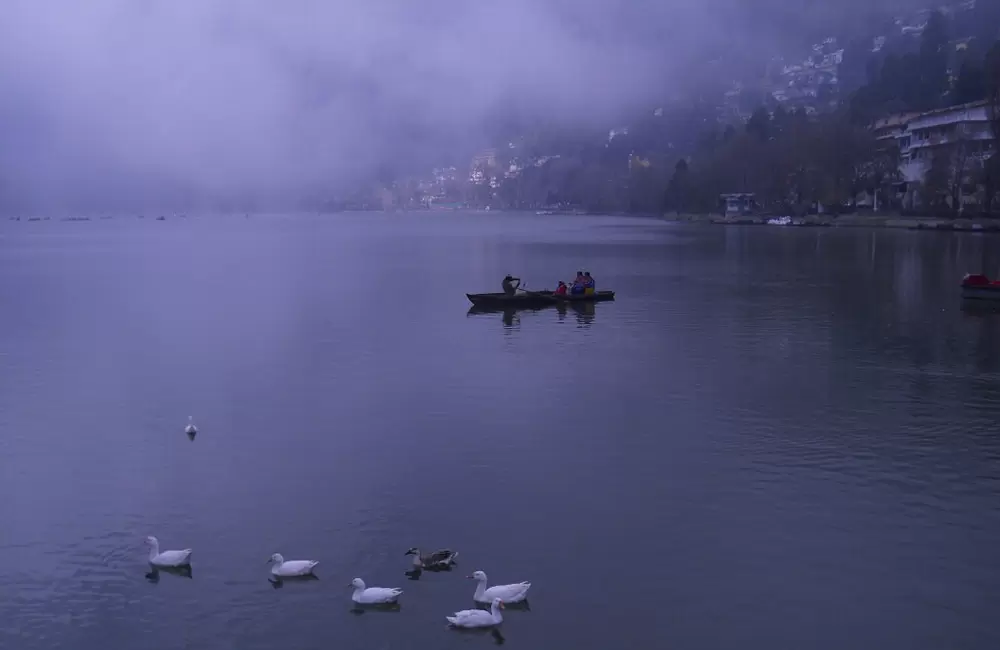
{"x": 477, "y": 617}
{"x": 514, "y": 593}
{"x": 364, "y": 595}
{"x": 190, "y": 429}
{"x": 283, "y": 568}
{"x": 167, "y": 558}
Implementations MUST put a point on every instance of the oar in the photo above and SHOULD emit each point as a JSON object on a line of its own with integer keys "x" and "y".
{"x": 530, "y": 293}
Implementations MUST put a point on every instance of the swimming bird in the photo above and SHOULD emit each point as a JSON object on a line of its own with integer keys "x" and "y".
{"x": 477, "y": 617}
{"x": 440, "y": 559}
{"x": 373, "y": 595}
{"x": 283, "y": 568}
{"x": 167, "y": 559}
{"x": 514, "y": 593}
{"x": 190, "y": 429}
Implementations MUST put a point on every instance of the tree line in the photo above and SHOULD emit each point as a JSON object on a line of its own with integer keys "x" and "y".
{"x": 794, "y": 163}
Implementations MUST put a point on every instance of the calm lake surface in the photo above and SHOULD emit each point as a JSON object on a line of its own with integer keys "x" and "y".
{"x": 774, "y": 438}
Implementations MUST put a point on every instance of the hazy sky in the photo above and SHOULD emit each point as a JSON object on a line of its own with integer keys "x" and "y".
{"x": 123, "y": 99}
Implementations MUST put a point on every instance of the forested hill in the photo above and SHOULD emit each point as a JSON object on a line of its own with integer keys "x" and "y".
{"x": 795, "y": 130}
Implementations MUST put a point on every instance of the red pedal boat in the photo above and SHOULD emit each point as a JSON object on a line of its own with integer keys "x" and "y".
{"x": 976, "y": 286}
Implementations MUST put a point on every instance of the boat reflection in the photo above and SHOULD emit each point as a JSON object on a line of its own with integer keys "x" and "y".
{"x": 983, "y": 317}
{"x": 989, "y": 308}
{"x": 509, "y": 315}
{"x": 585, "y": 312}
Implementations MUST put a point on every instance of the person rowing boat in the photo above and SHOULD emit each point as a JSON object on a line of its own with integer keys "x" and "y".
{"x": 509, "y": 286}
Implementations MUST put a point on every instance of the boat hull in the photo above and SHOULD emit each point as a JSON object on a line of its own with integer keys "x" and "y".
{"x": 534, "y": 298}
{"x": 599, "y": 296}
{"x": 981, "y": 292}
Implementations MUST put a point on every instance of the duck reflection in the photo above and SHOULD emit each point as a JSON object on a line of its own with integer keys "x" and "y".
{"x": 492, "y": 632}
{"x": 358, "y": 608}
{"x": 279, "y": 582}
{"x": 182, "y": 571}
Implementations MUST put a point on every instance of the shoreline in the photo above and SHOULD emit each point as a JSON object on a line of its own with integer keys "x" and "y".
{"x": 937, "y": 224}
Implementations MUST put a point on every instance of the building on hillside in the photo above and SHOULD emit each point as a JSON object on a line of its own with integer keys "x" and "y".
{"x": 636, "y": 161}
{"x": 961, "y": 44}
{"x": 888, "y": 130}
{"x": 513, "y": 169}
{"x": 812, "y": 84}
{"x": 483, "y": 159}
{"x": 481, "y": 166}
{"x": 961, "y": 135}
{"x": 614, "y": 133}
{"x": 738, "y": 203}
{"x": 443, "y": 175}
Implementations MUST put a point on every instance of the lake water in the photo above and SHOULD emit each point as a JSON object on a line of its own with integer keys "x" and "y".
{"x": 774, "y": 438}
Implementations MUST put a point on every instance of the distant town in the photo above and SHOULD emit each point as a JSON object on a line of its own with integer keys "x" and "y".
{"x": 903, "y": 118}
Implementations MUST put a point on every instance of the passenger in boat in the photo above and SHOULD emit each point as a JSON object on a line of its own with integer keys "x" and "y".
{"x": 589, "y": 286}
{"x": 579, "y": 285}
{"x": 509, "y": 286}
{"x": 561, "y": 289}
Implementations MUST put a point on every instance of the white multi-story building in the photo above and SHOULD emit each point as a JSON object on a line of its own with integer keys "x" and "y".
{"x": 962, "y": 132}
{"x": 888, "y": 130}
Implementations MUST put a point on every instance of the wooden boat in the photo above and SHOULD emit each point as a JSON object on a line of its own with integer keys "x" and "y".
{"x": 534, "y": 298}
{"x": 979, "y": 287}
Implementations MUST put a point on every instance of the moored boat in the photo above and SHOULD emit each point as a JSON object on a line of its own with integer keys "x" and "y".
{"x": 976, "y": 286}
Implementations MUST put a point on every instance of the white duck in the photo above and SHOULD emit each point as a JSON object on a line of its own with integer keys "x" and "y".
{"x": 373, "y": 595}
{"x": 477, "y": 617}
{"x": 190, "y": 429}
{"x": 167, "y": 558}
{"x": 507, "y": 593}
{"x": 283, "y": 568}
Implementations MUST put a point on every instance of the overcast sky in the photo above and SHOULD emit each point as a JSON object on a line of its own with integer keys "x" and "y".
{"x": 105, "y": 100}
